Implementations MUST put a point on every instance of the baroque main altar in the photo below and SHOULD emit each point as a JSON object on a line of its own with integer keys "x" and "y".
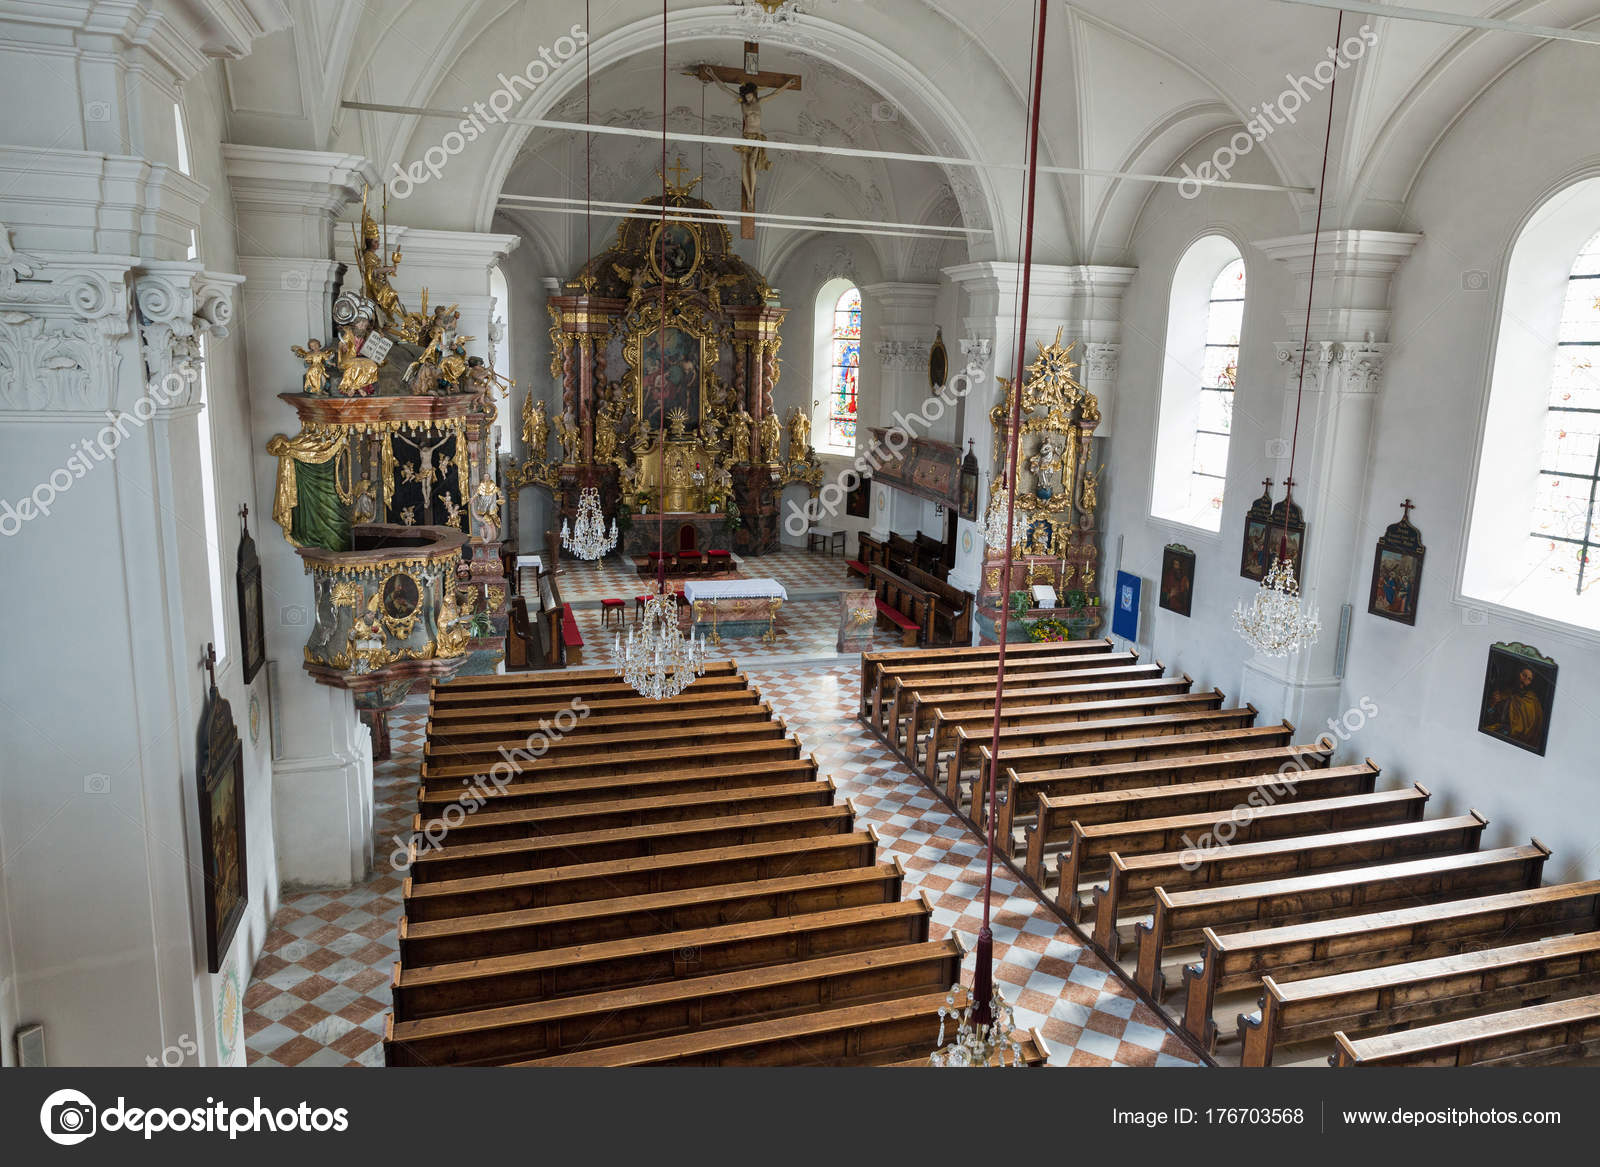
{"x": 665, "y": 350}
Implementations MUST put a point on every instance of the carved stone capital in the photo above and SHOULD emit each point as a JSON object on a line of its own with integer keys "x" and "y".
{"x": 903, "y": 356}
{"x": 1099, "y": 361}
{"x": 177, "y": 305}
{"x": 1354, "y": 367}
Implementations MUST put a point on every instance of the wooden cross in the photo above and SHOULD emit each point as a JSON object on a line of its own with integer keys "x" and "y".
{"x": 745, "y": 86}
{"x": 244, "y": 516}
{"x": 1266, "y": 487}
{"x": 1288, "y": 487}
{"x": 1406, "y": 508}
{"x": 209, "y": 662}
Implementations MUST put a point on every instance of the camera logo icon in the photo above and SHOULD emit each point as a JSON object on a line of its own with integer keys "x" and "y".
{"x": 97, "y": 111}
{"x": 292, "y": 616}
{"x": 68, "y": 1117}
{"x": 293, "y": 281}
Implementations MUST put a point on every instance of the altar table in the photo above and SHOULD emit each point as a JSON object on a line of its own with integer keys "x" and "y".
{"x": 736, "y": 607}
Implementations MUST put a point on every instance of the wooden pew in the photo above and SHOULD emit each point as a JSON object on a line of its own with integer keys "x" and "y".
{"x": 431, "y": 990}
{"x": 1399, "y": 994}
{"x": 642, "y": 784}
{"x": 873, "y": 663}
{"x": 1055, "y": 816}
{"x": 1022, "y": 713}
{"x": 1091, "y": 847}
{"x": 1054, "y": 739}
{"x": 522, "y": 641}
{"x": 466, "y": 860}
{"x": 958, "y": 699}
{"x": 606, "y": 734}
{"x": 609, "y": 714}
{"x": 1158, "y": 771}
{"x": 1183, "y": 916}
{"x": 1239, "y": 960}
{"x": 571, "y": 883}
{"x": 478, "y": 695}
{"x": 1132, "y": 882}
{"x": 904, "y": 604}
{"x": 952, "y": 607}
{"x": 486, "y": 826}
{"x": 589, "y": 921}
{"x": 594, "y": 1021}
{"x": 1538, "y": 1035}
{"x": 900, "y": 684}
{"x": 894, "y": 1032}
{"x": 668, "y": 758}
{"x": 1029, "y": 771}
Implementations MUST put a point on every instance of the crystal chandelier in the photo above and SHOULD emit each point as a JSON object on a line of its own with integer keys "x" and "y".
{"x": 767, "y": 13}
{"x": 657, "y": 659}
{"x": 977, "y": 1041}
{"x": 588, "y": 538}
{"x": 1274, "y": 624}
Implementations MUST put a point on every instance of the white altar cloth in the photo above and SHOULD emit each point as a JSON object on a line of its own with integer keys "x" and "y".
{"x": 734, "y": 589}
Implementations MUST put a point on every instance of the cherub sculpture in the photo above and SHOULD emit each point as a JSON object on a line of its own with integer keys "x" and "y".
{"x": 316, "y": 358}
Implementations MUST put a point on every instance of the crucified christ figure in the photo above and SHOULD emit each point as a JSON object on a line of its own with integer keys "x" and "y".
{"x": 424, "y": 471}
{"x": 750, "y": 81}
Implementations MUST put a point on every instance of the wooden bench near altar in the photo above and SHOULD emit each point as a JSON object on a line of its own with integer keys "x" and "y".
{"x": 735, "y": 607}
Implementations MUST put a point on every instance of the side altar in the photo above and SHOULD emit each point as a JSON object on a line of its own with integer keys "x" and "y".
{"x": 665, "y": 353}
{"x": 1056, "y": 498}
{"x": 388, "y": 493}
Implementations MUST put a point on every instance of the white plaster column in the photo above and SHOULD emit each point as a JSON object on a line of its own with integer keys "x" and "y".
{"x": 1083, "y": 303}
{"x": 288, "y": 202}
{"x": 1343, "y": 379}
{"x": 898, "y": 330}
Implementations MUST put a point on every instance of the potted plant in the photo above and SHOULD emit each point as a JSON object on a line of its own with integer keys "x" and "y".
{"x": 1050, "y": 629}
{"x": 734, "y": 520}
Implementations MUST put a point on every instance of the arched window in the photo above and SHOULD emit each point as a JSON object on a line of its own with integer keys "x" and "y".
{"x": 1195, "y": 423}
{"x": 1533, "y": 543}
{"x": 838, "y": 362}
{"x": 1565, "y": 539}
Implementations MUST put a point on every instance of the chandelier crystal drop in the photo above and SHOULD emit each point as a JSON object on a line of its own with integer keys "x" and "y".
{"x": 975, "y": 1043}
{"x": 588, "y": 538}
{"x": 656, "y": 658}
{"x": 1274, "y": 623}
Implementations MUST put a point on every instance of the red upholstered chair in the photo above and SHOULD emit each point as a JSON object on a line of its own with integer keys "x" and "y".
{"x": 608, "y": 607}
{"x": 689, "y": 562}
{"x": 638, "y": 607}
{"x": 719, "y": 561}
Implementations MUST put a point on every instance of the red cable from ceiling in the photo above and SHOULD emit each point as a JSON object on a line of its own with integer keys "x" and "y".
{"x": 983, "y": 974}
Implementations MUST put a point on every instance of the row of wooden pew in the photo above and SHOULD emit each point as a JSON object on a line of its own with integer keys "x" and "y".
{"x": 1219, "y": 860}
{"x": 599, "y": 879}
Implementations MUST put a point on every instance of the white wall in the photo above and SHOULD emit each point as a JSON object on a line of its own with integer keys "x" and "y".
{"x": 1426, "y": 680}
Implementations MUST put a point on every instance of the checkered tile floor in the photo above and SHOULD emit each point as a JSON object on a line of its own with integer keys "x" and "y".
{"x": 800, "y": 573}
{"x": 808, "y": 630}
{"x": 320, "y": 991}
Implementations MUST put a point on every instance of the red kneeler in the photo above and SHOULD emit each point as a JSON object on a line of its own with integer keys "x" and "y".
{"x": 607, "y": 607}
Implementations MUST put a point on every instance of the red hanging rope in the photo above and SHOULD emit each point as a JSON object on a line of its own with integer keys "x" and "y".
{"x": 1311, "y": 286}
{"x": 983, "y": 974}
{"x": 661, "y": 328}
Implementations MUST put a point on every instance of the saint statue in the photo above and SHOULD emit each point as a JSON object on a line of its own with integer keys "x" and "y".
{"x": 364, "y": 506}
{"x": 799, "y": 435}
{"x": 1046, "y": 468}
{"x": 376, "y": 269}
{"x": 679, "y": 482}
{"x": 568, "y": 434}
{"x": 535, "y": 428}
{"x": 605, "y": 435}
{"x": 739, "y": 427}
{"x": 1089, "y": 496}
{"x": 771, "y": 437}
{"x": 358, "y": 374}
{"x": 486, "y": 509}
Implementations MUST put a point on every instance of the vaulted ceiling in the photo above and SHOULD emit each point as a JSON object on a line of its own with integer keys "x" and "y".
{"x": 1131, "y": 85}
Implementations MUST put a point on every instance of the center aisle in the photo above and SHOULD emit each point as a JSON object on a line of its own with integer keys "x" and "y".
{"x": 1086, "y": 1014}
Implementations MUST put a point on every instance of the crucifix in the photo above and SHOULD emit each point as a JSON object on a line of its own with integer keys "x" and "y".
{"x": 750, "y": 81}
{"x": 1406, "y": 508}
{"x": 424, "y": 472}
{"x": 208, "y": 661}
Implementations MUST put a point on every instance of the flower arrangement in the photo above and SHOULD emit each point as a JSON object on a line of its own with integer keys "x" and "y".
{"x": 1051, "y": 629}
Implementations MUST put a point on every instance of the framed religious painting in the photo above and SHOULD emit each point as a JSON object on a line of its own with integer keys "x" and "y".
{"x": 858, "y": 501}
{"x": 674, "y": 252}
{"x": 247, "y": 580}
{"x": 668, "y": 367}
{"x": 938, "y": 363}
{"x": 1177, "y": 579}
{"x": 1519, "y": 687}
{"x": 1272, "y": 532}
{"x": 968, "y": 508}
{"x": 220, "y": 779}
{"x": 1397, "y": 571}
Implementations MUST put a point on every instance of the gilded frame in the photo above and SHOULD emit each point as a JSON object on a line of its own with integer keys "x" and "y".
{"x": 653, "y": 252}
{"x": 690, "y": 322}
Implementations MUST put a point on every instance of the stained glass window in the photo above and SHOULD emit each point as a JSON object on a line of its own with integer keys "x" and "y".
{"x": 845, "y": 377}
{"x": 1214, "y": 423}
{"x": 1566, "y": 525}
